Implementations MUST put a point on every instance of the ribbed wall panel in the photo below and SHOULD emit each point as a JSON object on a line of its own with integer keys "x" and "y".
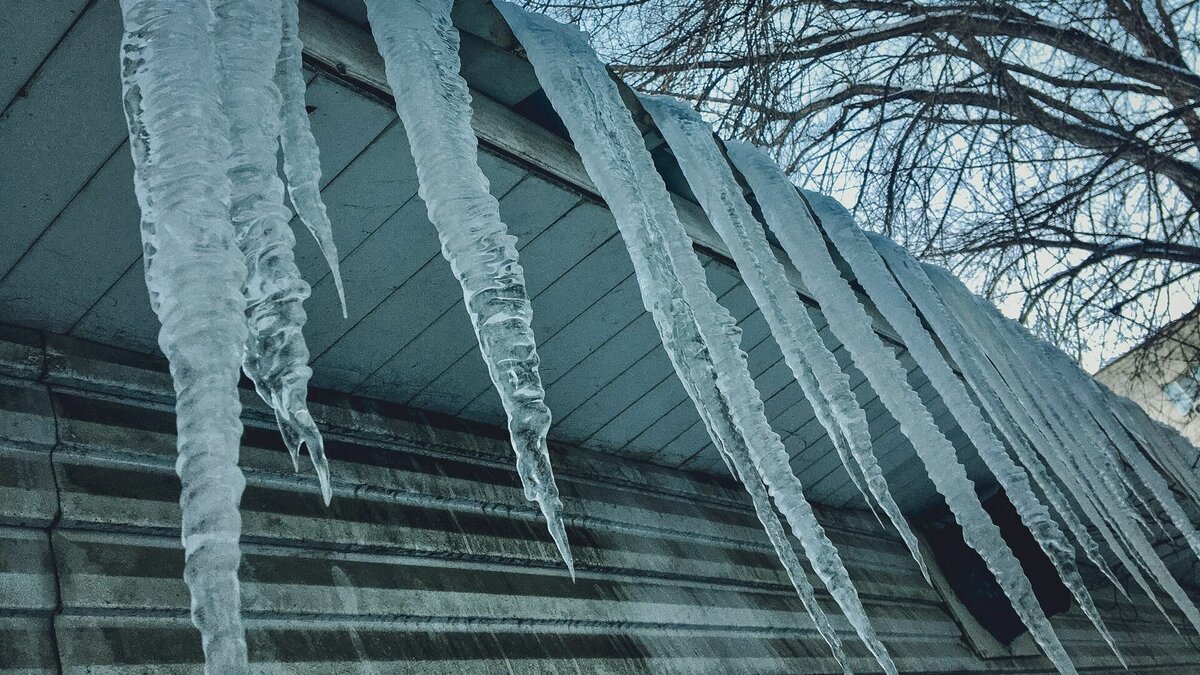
{"x": 429, "y": 559}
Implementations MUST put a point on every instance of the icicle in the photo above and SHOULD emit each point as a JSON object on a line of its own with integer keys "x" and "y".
{"x": 855, "y": 247}
{"x": 247, "y": 36}
{"x": 788, "y": 216}
{"x": 301, "y": 158}
{"x": 737, "y": 458}
{"x": 699, "y": 335}
{"x": 992, "y": 392}
{"x": 816, "y": 369}
{"x": 1019, "y": 355}
{"x": 194, "y": 273}
{"x": 419, "y": 44}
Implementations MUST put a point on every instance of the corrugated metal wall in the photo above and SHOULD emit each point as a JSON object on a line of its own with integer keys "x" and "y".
{"x": 429, "y": 560}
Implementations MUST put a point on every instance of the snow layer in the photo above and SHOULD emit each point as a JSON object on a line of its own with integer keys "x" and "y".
{"x": 194, "y": 273}
{"x": 788, "y": 216}
{"x": 419, "y": 45}
{"x": 815, "y": 368}
{"x": 699, "y": 335}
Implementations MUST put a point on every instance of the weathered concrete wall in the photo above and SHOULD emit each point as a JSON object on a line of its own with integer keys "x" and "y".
{"x": 429, "y": 560}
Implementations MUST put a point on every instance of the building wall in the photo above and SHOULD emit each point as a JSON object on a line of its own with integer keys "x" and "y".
{"x": 1142, "y": 374}
{"x": 429, "y": 559}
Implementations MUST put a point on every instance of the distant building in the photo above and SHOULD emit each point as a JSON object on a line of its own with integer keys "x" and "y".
{"x": 1163, "y": 375}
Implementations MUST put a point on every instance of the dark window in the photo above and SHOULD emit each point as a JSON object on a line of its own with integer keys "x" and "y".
{"x": 974, "y": 584}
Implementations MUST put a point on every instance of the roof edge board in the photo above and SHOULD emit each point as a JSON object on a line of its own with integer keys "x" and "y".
{"x": 348, "y": 52}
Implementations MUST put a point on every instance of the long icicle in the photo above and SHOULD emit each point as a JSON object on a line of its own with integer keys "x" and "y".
{"x": 247, "y": 39}
{"x": 737, "y": 457}
{"x": 970, "y": 314}
{"x": 992, "y": 392}
{"x": 301, "y": 158}
{"x": 419, "y": 44}
{"x": 672, "y": 281}
{"x": 870, "y": 270}
{"x": 788, "y": 216}
{"x": 815, "y": 368}
{"x": 194, "y": 273}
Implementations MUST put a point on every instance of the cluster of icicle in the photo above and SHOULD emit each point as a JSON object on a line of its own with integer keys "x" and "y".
{"x": 1050, "y": 435}
{"x": 213, "y": 95}
{"x": 198, "y": 76}
{"x": 208, "y": 94}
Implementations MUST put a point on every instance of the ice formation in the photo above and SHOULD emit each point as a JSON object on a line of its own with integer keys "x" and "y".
{"x": 1047, "y": 357}
{"x": 419, "y": 45}
{"x": 1010, "y": 348}
{"x": 787, "y": 214}
{"x": 1163, "y": 444}
{"x": 301, "y": 159}
{"x": 1106, "y": 414}
{"x": 213, "y": 93}
{"x": 1039, "y": 426}
{"x": 991, "y": 391}
{"x": 868, "y": 267}
{"x": 815, "y": 368}
{"x": 699, "y": 334}
{"x": 737, "y": 457}
{"x": 194, "y": 272}
{"x": 246, "y": 38}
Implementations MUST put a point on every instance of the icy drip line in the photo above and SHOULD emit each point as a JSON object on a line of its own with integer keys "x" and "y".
{"x": 1011, "y": 347}
{"x": 247, "y": 36}
{"x": 699, "y": 335}
{"x": 992, "y": 392}
{"x": 198, "y": 87}
{"x": 222, "y": 279}
{"x": 1046, "y": 437}
{"x": 1109, "y": 416}
{"x": 194, "y": 272}
{"x": 1055, "y": 398}
{"x": 868, "y": 266}
{"x": 815, "y": 368}
{"x": 786, "y": 213}
{"x": 301, "y": 158}
{"x": 419, "y": 45}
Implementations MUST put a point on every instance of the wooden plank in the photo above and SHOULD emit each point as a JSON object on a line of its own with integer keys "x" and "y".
{"x": 80, "y": 255}
{"x": 627, "y": 386}
{"x": 54, "y": 138}
{"x": 645, "y": 413}
{"x": 33, "y": 31}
